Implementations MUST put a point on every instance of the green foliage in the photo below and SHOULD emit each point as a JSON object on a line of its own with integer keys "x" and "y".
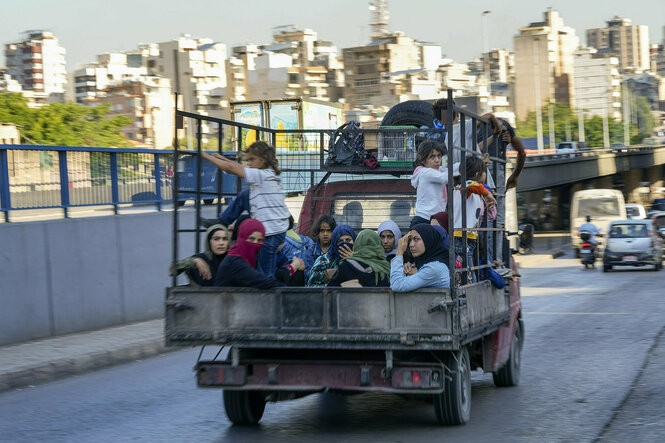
{"x": 66, "y": 124}
{"x": 566, "y": 125}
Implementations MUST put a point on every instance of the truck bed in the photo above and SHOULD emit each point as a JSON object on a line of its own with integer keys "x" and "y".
{"x": 334, "y": 318}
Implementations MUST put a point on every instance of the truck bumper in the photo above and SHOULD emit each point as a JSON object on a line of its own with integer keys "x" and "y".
{"x": 416, "y": 378}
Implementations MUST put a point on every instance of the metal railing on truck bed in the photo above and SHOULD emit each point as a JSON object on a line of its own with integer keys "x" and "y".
{"x": 307, "y": 161}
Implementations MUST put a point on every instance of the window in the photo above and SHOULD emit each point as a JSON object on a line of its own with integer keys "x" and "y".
{"x": 362, "y": 212}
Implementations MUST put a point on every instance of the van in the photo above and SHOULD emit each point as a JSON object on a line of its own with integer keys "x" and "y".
{"x": 603, "y": 205}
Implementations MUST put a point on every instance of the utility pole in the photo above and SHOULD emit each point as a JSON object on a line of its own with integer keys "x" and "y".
{"x": 486, "y": 58}
{"x": 626, "y": 114}
{"x": 550, "y": 112}
{"x": 606, "y": 130}
{"x": 536, "y": 77}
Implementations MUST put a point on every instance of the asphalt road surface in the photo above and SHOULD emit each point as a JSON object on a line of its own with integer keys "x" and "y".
{"x": 591, "y": 349}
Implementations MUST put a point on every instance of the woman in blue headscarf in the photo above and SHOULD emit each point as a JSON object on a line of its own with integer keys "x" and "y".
{"x": 341, "y": 246}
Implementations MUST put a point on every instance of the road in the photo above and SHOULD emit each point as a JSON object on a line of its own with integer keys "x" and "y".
{"x": 588, "y": 335}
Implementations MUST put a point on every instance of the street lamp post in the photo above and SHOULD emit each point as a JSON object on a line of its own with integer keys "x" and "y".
{"x": 486, "y": 58}
{"x": 536, "y": 77}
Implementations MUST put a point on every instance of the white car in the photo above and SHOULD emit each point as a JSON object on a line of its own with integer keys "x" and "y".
{"x": 633, "y": 243}
{"x": 635, "y": 211}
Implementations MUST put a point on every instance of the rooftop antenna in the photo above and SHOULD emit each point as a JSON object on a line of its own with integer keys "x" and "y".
{"x": 379, "y": 19}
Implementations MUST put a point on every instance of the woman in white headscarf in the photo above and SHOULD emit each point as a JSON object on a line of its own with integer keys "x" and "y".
{"x": 390, "y": 234}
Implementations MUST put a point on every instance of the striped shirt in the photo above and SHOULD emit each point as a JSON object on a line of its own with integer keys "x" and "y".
{"x": 266, "y": 200}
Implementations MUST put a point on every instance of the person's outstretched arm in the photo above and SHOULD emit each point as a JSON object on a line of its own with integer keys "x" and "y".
{"x": 225, "y": 164}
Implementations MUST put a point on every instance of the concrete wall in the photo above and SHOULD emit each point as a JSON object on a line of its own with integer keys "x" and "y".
{"x": 64, "y": 276}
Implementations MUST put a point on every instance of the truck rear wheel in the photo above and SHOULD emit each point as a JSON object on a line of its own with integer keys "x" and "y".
{"x": 244, "y": 407}
{"x": 453, "y": 405}
{"x": 509, "y": 374}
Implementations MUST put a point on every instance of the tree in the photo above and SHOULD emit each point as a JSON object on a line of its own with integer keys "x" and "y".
{"x": 65, "y": 124}
{"x": 566, "y": 126}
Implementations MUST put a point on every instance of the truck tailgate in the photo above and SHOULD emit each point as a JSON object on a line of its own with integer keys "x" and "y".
{"x": 351, "y": 318}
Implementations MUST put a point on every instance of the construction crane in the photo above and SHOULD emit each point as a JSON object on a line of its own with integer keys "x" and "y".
{"x": 379, "y": 18}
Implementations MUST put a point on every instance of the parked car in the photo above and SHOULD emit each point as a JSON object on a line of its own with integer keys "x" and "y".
{"x": 633, "y": 243}
{"x": 635, "y": 211}
{"x": 618, "y": 147}
{"x": 568, "y": 147}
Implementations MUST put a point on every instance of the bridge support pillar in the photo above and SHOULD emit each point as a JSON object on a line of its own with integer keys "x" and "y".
{"x": 632, "y": 181}
{"x": 655, "y": 174}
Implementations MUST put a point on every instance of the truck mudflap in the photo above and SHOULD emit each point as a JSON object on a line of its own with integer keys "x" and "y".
{"x": 413, "y": 378}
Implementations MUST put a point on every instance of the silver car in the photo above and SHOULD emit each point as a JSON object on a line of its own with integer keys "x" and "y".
{"x": 633, "y": 243}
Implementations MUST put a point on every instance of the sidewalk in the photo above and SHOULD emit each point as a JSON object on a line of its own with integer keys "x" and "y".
{"x": 547, "y": 245}
{"x": 48, "y": 359}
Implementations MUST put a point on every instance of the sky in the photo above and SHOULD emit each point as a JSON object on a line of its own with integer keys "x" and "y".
{"x": 89, "y": 27}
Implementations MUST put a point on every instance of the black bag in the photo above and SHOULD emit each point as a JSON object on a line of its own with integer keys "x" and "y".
{"x": 347, "y": 145}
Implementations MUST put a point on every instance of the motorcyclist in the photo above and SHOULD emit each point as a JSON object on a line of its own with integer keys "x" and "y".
{"x": 592, "y": 229}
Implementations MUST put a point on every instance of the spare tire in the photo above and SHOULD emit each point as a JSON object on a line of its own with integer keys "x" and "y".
{"x": 415, "y": 113}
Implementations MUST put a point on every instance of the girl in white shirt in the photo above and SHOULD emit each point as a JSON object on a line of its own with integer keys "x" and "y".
{"x": 266, "y": 197}
{"x": 429, "y": 178}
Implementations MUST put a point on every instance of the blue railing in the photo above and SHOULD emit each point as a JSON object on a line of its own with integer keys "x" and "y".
{"x": 41, "y": 177}
{"x": 65, "y": 177}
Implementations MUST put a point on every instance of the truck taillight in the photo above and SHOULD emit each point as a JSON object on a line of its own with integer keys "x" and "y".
{"x": 417, "y": 378}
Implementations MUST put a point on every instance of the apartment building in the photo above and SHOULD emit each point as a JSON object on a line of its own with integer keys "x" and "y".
{"x": 544, "y": 64}
{"x": 597, "y": 83}
{"x": 274, "y": 76}
{"x": 9, "y": 84}
{"x": 90, "y": 80}
{"x": 37, "y": 62}
{"x": 148, "y": 101}
{"x": 196, "y": 68}
{"x": 365, "y": 66}
{"x": 630, "y": 43}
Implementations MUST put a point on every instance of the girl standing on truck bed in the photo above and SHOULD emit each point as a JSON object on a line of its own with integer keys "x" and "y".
{"x": 430, "y": 255}
{"x": 429, "y": 179}
{"x": 266, "y": 197}
{"x": 367, "y": 267}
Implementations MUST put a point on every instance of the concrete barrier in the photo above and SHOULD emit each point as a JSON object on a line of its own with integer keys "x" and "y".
{"x": 64, "y": 276}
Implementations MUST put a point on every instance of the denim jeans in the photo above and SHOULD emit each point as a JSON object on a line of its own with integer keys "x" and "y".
{"x": 239, "y": 205}
{"x": 267, "y": 258}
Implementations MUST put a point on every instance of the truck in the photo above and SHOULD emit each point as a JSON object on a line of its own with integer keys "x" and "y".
{"x": 285, "y": 343}
{"x": 290, "y": 114}
{"x": 602, "y": 205}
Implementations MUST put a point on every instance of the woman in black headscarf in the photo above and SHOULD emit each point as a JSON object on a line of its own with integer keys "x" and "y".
{"x": 430, "y": 256}
{"x": 202, "y": 268}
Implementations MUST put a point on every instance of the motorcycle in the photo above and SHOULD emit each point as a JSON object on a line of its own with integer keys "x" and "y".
{"x": 587, "y": 250}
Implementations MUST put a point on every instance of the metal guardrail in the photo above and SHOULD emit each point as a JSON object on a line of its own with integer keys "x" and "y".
{"x": 628, "y": 150}
{"x": 42, "y": 177}
{"x": 64, "y": 177}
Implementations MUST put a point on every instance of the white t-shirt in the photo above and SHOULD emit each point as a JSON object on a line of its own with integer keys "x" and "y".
{"x": 430, "y": 184}
{"x": 266, "y": 200}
